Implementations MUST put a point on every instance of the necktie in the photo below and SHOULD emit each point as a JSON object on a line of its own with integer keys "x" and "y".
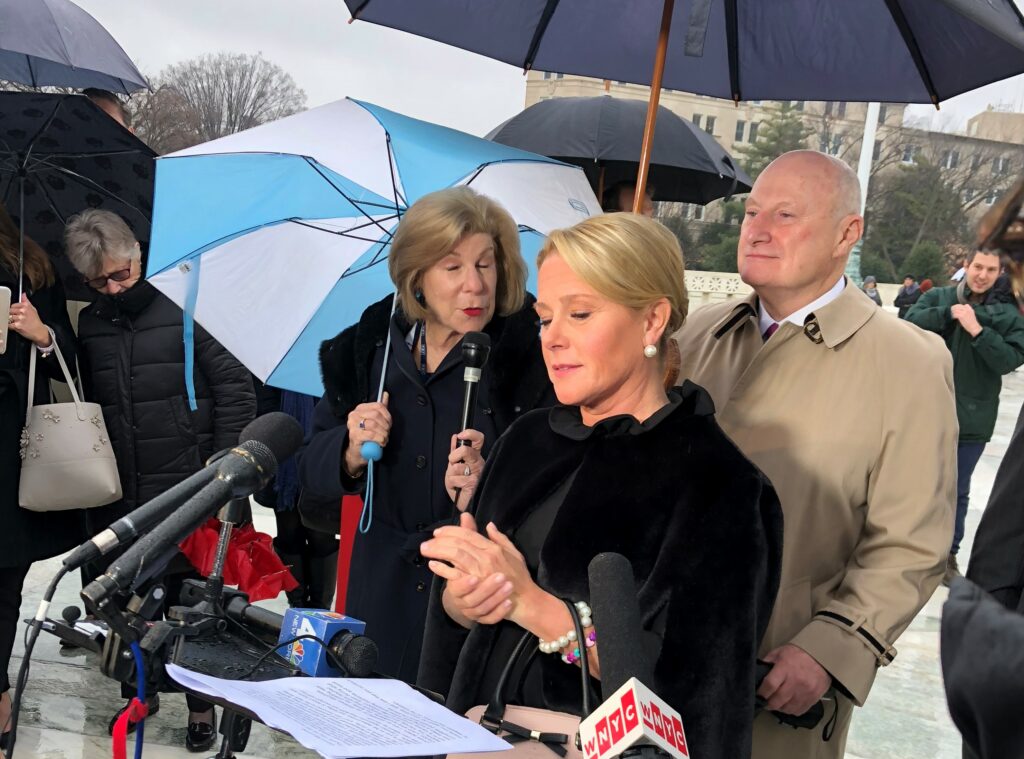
{"x": 770, "y": 331}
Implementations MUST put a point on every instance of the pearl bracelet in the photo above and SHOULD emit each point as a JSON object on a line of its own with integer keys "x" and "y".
{"x": 554, "y": 646}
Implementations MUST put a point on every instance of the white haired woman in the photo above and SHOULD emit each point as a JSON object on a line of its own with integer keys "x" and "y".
{"x": 133, "y": 365}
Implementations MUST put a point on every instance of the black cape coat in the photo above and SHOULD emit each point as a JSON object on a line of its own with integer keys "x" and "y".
{"x": 701, "y": 526}
{"x": 29, "y": 536}
{"x": 389, "y": 582}
{"x": 997, "y": 555}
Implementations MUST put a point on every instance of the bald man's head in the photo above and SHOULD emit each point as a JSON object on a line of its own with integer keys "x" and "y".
{"x": 802, "y": 220}
{"x": 839, "y": 182}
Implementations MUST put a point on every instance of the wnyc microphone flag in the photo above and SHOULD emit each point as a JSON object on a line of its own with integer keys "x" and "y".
{"x": 633, "y": 716}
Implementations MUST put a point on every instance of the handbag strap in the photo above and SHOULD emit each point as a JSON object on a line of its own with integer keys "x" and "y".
{"x": 67, "y": 378}
{"x": 527, "y": 647}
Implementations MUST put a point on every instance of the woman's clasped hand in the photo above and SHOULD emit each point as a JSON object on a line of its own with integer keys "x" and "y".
{"x": 487, "y": 579}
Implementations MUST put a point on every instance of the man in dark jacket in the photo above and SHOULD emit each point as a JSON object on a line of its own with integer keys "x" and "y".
{"x": 985, "y": 334}
{"x": 907, "y": 296}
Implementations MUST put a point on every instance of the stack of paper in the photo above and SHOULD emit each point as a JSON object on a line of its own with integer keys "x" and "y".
{"x": 340, "y": 717}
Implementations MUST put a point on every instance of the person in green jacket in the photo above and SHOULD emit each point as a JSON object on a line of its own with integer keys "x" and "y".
{"x": 984, "y": 331}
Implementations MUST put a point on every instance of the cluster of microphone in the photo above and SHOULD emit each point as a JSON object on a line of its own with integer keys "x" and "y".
{"x": 632, "y": 720}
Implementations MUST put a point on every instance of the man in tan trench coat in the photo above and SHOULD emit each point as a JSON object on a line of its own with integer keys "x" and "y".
{"x": 850, "y": 413}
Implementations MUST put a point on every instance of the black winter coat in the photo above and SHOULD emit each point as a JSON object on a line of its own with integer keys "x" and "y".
{"x": 133, "y": 362}
{"x": 388, "y": 580}
{"x": 701, "y": 526}
{"x": 28, "y": 536}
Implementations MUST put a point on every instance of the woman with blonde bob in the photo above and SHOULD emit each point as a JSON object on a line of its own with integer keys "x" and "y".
{"x": 623, "y": 465}
{"x": 456, "y": 268}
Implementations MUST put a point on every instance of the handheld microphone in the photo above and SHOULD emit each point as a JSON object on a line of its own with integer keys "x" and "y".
{"x": 632, "y": 717}
{"x": 238, "y": 474}
{"x": 476, "y": 348}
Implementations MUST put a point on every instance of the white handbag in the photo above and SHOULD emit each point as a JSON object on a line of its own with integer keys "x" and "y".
{"x": 67, "y": 461}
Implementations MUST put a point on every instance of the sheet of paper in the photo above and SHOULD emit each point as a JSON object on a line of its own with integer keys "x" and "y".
{"x": 344, "y": 717}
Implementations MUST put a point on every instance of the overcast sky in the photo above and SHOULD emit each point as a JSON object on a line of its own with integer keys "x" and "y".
{"x": 331, "y": 59}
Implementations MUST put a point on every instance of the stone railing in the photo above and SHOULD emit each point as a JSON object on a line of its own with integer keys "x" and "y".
{"x": 707, "y": 287}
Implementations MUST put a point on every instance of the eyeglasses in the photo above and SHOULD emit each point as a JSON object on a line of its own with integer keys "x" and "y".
{"x": 118, "y": 276}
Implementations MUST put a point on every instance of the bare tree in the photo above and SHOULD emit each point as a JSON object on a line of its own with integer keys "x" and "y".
{"x": 231, "y": 92}
{"x": 164, "y": 120}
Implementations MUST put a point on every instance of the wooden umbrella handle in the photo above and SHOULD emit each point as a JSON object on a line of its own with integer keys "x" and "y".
{"x": 652, "y": 105}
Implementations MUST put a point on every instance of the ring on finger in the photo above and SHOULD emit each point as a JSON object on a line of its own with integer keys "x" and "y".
{"x": 467, "y": 471}
{"x": 362, "y": 424}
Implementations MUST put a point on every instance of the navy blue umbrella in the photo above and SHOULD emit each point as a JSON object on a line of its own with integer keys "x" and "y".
{"x": 602, "y": 135}
{"x": 905, "y": 51}
{"x": 54, "y": 42}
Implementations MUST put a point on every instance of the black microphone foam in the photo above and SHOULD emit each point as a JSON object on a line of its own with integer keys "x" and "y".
{"x": 476, "y": 347}
{"x": 620, "y": 637}
{"x": 280, "y": 433}
{"x": 71, "y": 614}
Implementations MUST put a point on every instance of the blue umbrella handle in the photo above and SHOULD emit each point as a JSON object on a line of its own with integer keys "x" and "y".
{"x": 371, "y": 451}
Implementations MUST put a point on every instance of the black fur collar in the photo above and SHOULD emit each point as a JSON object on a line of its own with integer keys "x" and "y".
{"x": 516, "y": 369}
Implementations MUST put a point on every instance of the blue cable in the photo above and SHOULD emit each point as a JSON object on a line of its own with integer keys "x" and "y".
{"x": 140, "y": 692}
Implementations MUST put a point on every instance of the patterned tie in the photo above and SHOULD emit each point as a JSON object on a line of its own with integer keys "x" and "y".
{"x": 770, "y": 331}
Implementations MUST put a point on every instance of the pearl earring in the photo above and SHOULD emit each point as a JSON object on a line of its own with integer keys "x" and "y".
{"x": 651, "y": 350}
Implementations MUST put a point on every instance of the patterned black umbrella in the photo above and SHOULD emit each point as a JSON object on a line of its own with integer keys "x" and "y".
{"x": 61, "y": 154}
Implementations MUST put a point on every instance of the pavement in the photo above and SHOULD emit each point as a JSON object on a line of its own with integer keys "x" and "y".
{"x": 68, "y": 702}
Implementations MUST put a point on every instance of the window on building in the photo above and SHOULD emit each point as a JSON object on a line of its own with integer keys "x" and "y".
{"x": 695, "y": 212}
{"x": 709, "y": 125}
{"x": 798, "y": 105}
{"x": 828, "y": 107}
{"x": 559, "y": 76}
{"x": 547, "y": 74}
{"x": 990, "y": 198}
{"x": 823, "y": 143}
{"x": 975, "y": 162}
{"x": 697, "y": 117}
{"x": 909, "y": 153}
{"x": 883, "y": 111}
{"x": 841, "y": 110}
{"x": 754, "y": 102}
{"x": 969, "y": 194}
{"x": 741, "y": 127}
{"x": 837, "y": 144}
{"x": 1000, "y": 165}
{"x": 950, "y": 159}
{"x": 622, "y": 82}
{"x": 877, "y": 152}
{"x": 752, "y": 134}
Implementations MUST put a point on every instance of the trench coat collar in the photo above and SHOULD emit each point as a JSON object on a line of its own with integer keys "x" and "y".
{"x": 832, "y": 324}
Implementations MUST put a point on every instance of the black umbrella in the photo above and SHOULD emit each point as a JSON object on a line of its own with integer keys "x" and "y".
{"x": 603, "y": 136}
{"x": 61, "y": 154}
{"x": 901, "y": 51}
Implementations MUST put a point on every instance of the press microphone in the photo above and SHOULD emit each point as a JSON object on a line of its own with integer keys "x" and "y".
{"x": 632, "y": 718}
{"x": 356, "y": 653}
{"x": 238, "y": 474}
{"x": 476, "y": 347}
{"x": 131, "y": 525}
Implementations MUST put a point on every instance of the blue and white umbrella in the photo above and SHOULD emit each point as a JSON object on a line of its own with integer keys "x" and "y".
{"x": 276, "y": 238}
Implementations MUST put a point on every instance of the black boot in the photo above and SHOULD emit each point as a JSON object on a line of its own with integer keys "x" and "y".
{"x": 323, "y": 580}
